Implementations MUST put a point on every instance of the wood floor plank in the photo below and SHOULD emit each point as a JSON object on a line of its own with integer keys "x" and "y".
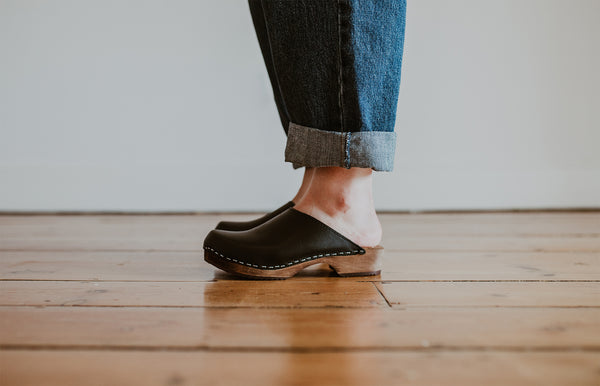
{"x": 491, "y": 294}
{"x": 520, "y": 305}
{"x": 83, "y": 368}
{"x": 190, "y": 266}
{"x": 75, "y": 265}
{"x": 490, "y": 266}
{"x": 501, "y": 223}
{"x": 493, "y": 224}
{"x": 526, "y": 328}
{"x": 124, "y": 266}
{"x": 408, "y": 232}
{"x": 244, "y": 293}
{"x": 396, "y": 243}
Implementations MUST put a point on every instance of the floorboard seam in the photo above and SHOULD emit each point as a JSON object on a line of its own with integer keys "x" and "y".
{"x": 382, "y": 295}
{"x": 319, "y": 279}
{"x": 391, "y": 306}
{"x": 330, "y": 349}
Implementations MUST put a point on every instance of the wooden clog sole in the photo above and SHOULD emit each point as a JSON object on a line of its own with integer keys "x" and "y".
{"x": 366, "y": 264}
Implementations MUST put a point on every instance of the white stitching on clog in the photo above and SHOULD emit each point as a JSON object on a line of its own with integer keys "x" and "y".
{"x": 300, "y": 260}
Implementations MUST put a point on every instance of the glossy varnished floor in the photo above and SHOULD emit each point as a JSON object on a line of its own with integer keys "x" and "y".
{"x": 464, "y": 299}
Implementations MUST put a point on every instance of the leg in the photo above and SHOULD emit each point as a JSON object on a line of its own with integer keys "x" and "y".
{"x": 336, "y": 67}
{"x": 262, "y": 35}
{"x": 335, "y": 71}
{"x": 260, "y": 27}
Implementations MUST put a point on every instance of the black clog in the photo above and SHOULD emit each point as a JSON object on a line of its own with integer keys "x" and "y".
{"x": 245, "y": 225}
{"x": 284, "y": 245}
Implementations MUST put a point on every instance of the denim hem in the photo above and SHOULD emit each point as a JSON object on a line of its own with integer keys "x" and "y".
{"x": 310, "y": 147}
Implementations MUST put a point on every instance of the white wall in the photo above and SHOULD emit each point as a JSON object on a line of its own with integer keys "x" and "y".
{"x": 165, "y": 105}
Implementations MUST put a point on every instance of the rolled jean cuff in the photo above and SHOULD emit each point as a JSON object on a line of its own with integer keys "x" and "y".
{"x": 310, "y": 147}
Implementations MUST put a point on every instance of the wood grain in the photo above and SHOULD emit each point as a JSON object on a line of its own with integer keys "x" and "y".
{"x": 189, "y": 266}
{"x": 419, "y": 232}
{"x": 470, "y": 299}
{"x": 301, "y": 328}
{"x": 506, "y": 223}
{"x": 92, "y": 368}
{"x": 397, "y": 243}
{"x": 333, "y": 293}
{"x": 491, "y": 266}
{"x": 492, "y": 294}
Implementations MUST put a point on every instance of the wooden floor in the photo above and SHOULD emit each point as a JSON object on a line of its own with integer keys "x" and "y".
{"x": 464, "y": 299}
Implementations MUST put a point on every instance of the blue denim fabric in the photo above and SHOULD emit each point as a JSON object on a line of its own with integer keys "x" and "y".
{"x": 334, "y": 66}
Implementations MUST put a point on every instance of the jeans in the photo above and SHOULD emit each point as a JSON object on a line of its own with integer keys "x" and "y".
{"x": 334, "y": 66}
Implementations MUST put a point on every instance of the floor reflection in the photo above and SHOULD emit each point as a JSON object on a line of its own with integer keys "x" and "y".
{"x": 298, "y": 320}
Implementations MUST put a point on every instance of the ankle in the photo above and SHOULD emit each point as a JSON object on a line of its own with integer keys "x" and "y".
{"x": 337, "y": 190}
{"x": 343, "y": 199}
{"x": 357, "y": 221}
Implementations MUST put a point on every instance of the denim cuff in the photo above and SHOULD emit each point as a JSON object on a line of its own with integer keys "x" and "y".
{"x": 311, "y": 147}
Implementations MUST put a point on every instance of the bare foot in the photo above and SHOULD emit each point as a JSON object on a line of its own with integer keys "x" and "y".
{"x": 343, "y": 199}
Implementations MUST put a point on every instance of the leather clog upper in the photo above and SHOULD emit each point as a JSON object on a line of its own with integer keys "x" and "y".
{"x": 289, "y": 238}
